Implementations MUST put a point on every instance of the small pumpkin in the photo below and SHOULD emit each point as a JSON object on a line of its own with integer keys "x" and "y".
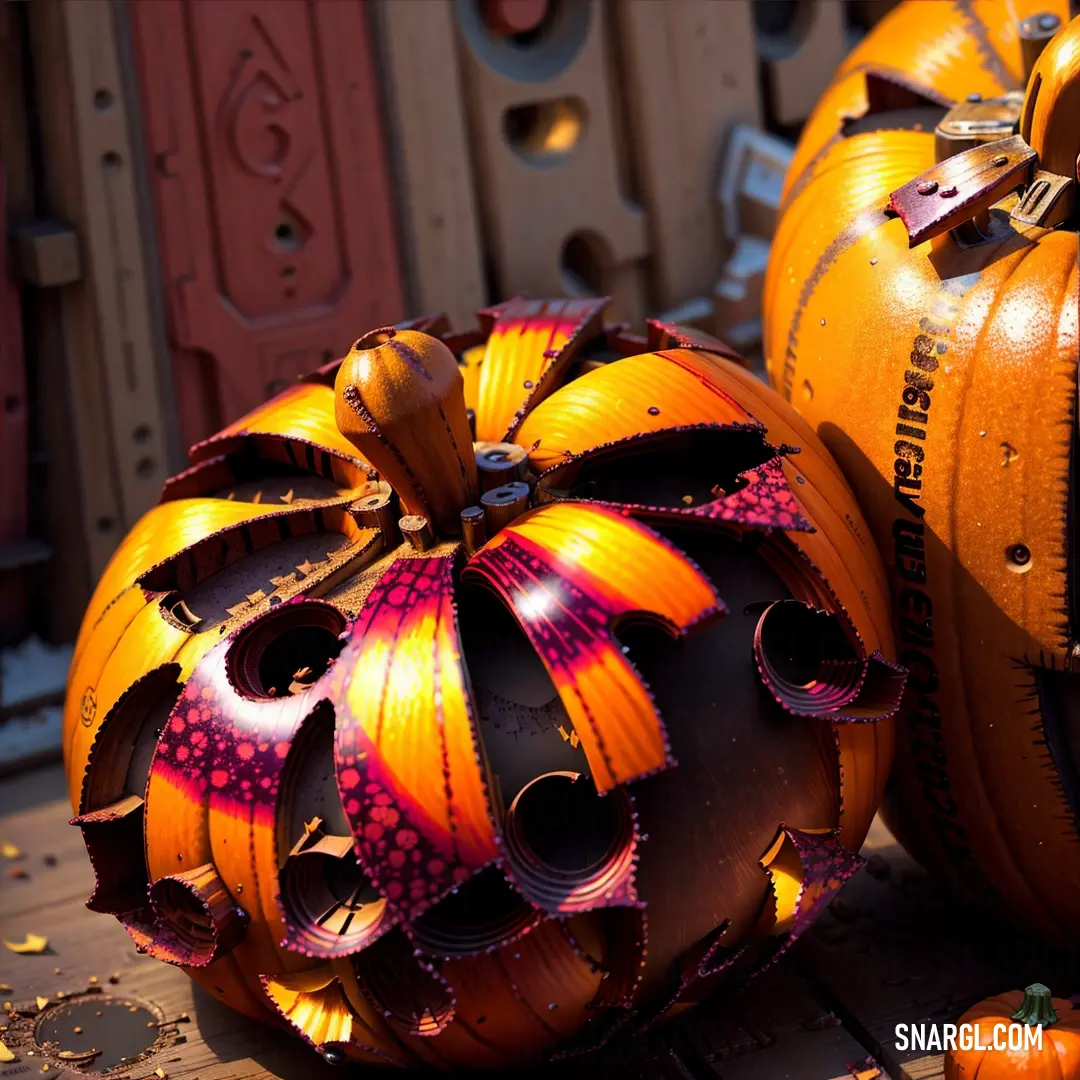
{"x": 1000, "y": 1034}
{"x": 455, "y": 740}
{"x": 921, "y": 313}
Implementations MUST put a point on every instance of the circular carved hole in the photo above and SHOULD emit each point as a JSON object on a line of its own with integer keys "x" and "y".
{"x": 583, "y": 263}
{"x": 142, "y": 433}
{"x": 145, "y": 468}
{"x": 781, "y": 26}
{"x": 285, "y": 236}
{"x": 103, "y": 100}
{"x": 547, "y": 132}
{"x": 286, "y": 651}
{"x": 119, "y": 1029}
{"x": 560, "y": 823}
{"x": 330, "y": 904}
{"x": 482, "y": 914}
{"x": 111, "y": 159}
{"x": 563, "y": 837}
{"x": 798, "y": 641}
{"x": 106, "y": 524}
{"x": 524, "y": 40}
{"x": 185, "y": 916}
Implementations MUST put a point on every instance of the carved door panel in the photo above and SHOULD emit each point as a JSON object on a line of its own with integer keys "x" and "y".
{"x": 272, "y": 191}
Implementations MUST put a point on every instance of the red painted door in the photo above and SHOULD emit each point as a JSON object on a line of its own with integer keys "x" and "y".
{"x": 272, "y": 192}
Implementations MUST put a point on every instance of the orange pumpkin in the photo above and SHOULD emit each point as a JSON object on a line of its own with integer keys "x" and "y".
{"x": 457, "y": 754}
{"x": 921, "y": 313}
{"x": 1000, "y": 1039}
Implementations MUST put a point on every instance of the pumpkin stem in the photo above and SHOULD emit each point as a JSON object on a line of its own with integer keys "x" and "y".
{"x": 1037, "y": 1009}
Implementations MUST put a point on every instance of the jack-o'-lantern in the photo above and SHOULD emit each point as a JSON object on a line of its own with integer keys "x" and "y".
{"x": 921, "y": 314}
{"x": 457, "y": 717}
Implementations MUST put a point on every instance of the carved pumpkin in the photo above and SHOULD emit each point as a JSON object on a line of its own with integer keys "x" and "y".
{"x": 454, "y": 753}
{"x": 921, "y": 313}
{"x": 999, "y": 1039}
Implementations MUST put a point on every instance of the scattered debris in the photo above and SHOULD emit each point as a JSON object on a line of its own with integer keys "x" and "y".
{"x": 114, "y": 978}
{"x": 79, "y": 1056}
{"x": 18, "y": 873}
{"x": 49, "y": 860}
{"x": 92, "y": 980}
{"x": 11, "y": 851}
{"x": 34, "y": 943}
{"x": 41, "y": 1002}
{"x": 160, "y": 1073}
{"x": 4, "y": 988}
{"x": 6, "y": 1055}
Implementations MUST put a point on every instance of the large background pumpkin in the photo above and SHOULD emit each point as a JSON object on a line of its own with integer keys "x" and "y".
{"x": 937, "y": 358}
{"x": 417, "y": 799}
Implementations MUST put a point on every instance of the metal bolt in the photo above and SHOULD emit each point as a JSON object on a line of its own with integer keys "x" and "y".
{"x": 999, "y": 161}
{"x": 974, "y": 98}
{"x": 927, "y": 187}
{"x": 948, "y": 193}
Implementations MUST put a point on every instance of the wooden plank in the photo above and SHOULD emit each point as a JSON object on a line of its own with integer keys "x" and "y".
{"x": 801, "y": 60}
{"x": 272, "y": 193}
{"x": 115, "y": 260}
{"x": 548, "y": 140}
{"x": 690, "y": 72}
{"x": 115, "y": 409}
{"x": 433, "y": 165}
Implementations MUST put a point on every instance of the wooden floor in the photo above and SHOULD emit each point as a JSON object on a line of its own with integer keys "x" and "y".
{"x": 894, "y": 948}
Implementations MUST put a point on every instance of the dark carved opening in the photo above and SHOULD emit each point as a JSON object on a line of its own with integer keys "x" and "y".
{"x": 480, "y": 915}
{"x": 286, "y": 651}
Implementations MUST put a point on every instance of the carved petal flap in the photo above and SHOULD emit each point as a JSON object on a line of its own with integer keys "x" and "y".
{"x": 532, "y": 343}
{"x": 697, "y": 474}
{"x": 411, "y": 777}
{"x": 570, "y": 573}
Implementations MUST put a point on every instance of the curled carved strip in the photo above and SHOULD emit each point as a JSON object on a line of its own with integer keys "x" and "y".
{"x": 531, "y": 343}
{"x": 698, "y": 474}
{"x": 296, "y": 427}
{"x": 661, "y": 335}
{"x": 196, "y": 919}
{"x": 417, "y": 840}
{"x": 569, "y": 850}
{"x": 812, "y": 668}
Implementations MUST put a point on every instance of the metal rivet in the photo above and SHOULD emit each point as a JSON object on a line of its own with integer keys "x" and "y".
{"x": 927, "y": 187}
{"x": 1000, "y": 160}
{"x": 1049, "y": 22}
{"x": 1020, "y": 554}
{"x": 948, "y": 193}
{"x": 974, "y": 98}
